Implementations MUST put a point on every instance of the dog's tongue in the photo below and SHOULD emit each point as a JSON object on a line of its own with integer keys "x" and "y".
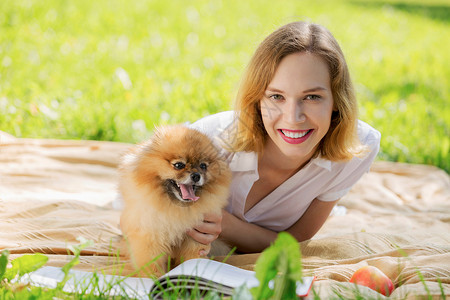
{"x": 187, "y": 192}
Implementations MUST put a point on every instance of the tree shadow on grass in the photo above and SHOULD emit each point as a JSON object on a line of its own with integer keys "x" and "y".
{"x": 438, "y": 12}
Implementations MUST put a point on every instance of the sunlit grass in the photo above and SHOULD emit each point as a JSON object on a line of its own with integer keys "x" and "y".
{"x": 111, "y": 70}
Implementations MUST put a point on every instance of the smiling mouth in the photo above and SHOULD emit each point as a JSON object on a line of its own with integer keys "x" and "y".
{"x": 295, "y": 134}
{"x": 295, "y": 137}
{"x": 184, "y": 192}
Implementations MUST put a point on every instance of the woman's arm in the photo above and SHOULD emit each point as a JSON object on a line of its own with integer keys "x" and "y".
{"x": 312, "y": 220}
{"x": 250, "y": 238}
{"x": 245, "y": 236}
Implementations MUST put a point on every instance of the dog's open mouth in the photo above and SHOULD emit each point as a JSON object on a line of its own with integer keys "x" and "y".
{"x": 184, "y": 192}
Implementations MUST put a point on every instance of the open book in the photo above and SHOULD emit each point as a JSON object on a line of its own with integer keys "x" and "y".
{"x": 201, "y": 275}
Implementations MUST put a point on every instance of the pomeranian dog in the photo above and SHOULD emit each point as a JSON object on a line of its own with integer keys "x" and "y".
{"x": 167, "y": 184}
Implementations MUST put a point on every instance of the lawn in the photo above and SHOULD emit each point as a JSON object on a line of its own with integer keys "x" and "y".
{"x": 112, "y": 70}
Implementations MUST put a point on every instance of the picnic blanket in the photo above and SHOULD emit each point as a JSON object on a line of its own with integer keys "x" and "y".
{"x": 398, "y": 218}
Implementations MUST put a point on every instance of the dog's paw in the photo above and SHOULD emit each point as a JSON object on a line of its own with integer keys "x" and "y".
{"x": 203, "y": 253}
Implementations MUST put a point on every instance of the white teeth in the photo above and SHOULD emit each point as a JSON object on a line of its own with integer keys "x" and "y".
{"x": 294, "y": 135}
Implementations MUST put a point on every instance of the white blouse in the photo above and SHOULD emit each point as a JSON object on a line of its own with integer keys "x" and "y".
{"x": 320, "y": 178}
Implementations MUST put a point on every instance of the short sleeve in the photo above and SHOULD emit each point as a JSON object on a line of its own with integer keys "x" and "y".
{"x": 214, "y": 127}
{"x": 348, "y": 173}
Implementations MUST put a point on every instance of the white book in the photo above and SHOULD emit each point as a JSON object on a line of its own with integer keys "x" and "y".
{"x": 196, "y": 274}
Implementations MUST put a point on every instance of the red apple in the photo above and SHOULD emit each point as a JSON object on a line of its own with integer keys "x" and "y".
{"x": 373, "y": 278}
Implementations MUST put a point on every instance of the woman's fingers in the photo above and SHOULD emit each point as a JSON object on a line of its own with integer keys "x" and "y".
{"x": 202, "y": 238}
{"x": 207, "y": 231}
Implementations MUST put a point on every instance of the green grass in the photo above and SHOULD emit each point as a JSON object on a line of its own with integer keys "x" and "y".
{"x": 111, "y": 70}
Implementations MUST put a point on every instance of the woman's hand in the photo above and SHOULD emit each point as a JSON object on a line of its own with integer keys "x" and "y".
{"x": 207, "y": 231}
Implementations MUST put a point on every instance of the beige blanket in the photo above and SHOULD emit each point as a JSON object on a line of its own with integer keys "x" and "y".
{"x": 398, "y": 217}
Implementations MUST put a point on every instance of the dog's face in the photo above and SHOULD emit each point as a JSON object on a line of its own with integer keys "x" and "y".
{"x": 182, "y": 162}
{"x": 185, "y": 181}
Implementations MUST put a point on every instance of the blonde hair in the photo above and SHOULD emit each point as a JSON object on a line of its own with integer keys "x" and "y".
{"x": 340, "y": 142}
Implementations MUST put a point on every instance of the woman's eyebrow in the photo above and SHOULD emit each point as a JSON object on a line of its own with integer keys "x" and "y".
{"x": 272, "y": 89}
{"x": 314, "y": 89}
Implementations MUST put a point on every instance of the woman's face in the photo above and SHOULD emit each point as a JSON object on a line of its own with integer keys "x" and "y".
{"x": 297, "y": 106}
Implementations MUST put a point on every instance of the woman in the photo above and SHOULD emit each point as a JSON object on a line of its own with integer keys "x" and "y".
{"x": 294, "y": 143}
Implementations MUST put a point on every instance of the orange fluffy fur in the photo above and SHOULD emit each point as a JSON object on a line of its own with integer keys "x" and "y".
{"x": 154, "y": 221}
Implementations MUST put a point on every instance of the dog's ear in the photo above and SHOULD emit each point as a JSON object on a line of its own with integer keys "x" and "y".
{"x": 158, "y": 135}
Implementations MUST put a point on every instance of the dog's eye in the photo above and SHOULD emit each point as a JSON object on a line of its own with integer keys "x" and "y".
{"x": 203, "y": 166}
{"x": 179, "y": 165}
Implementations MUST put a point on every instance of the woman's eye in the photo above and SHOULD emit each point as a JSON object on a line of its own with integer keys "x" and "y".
{"x": 179, "y": 165}
{"x": 276, "y": 97}
{"x": 312, "y": 97}
{"x": 203, "y": 166}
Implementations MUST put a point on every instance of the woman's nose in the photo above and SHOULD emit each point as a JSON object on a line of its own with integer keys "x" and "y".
{"x": 294, "y": 112}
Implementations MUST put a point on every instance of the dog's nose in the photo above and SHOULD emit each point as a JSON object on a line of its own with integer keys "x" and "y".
{"x": 195, "y": 177}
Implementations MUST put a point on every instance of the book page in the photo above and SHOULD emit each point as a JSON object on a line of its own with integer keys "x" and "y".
{"x": 227, "y": 275}
{"x": 215, "y": 271}
{"x": 87, "y": 281}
